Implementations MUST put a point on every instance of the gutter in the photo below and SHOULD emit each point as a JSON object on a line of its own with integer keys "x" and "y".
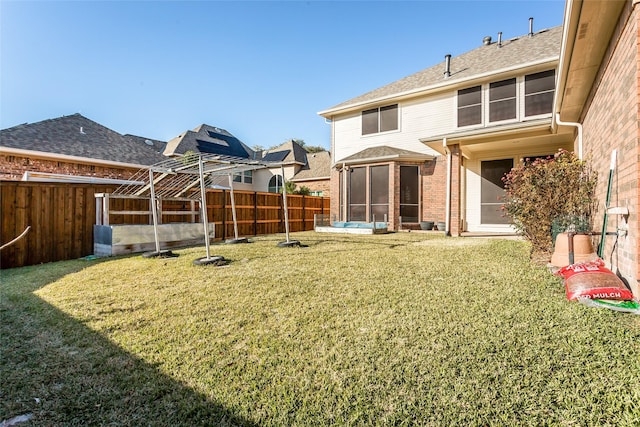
{"x": 294, "y": 179}
{"x": 75, "y": 179}
{"x": 493, "y": 131}
{"x": 391, "y": 158}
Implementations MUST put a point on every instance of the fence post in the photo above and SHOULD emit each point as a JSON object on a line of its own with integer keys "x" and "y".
{"x": 224, "y": 213}
{"x": 255, "y": 213}
{"x": 304, "y": 214}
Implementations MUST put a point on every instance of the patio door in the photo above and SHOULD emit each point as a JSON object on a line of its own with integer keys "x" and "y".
{"x": 379, "y": 192}
{"x": 492, "y": 191}
{"x": 409, "y": 194}
{"x": 357, "y": 194}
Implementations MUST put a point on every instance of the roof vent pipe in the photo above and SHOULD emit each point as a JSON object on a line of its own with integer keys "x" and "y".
{"x": 530, "y": 27}
{"x": 486, "y": 41}
{"x": 500, "y": 39}
{"x": 447, "y": 65}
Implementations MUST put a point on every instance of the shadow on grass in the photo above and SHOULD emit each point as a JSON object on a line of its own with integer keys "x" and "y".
{"x": 54, "y": 367}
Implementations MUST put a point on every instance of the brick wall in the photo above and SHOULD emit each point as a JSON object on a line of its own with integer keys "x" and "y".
{"x": 13, "y": 167}
{"x": 334, "y": 186}
{"x": 434, "y": 189}
{"x": 323, "y": 185}
{"x": 611, "y": 121}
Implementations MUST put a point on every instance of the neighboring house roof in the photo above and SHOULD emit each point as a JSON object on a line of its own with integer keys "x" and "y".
{"x": 288, "y": 152}
{"x": 276, "y": 156}
{"x": 158, "y": 145}
{"x": 483, "y": 61}
{"x": 76, "y": 136}
{"x": 384, "y": 154}
{"x": 210, "y": 140}
{"x": 318, "y": 167}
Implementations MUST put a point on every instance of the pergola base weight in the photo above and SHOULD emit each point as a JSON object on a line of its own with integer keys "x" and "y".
{"x": 236, "y": 241}
{"x": 213, "y": 260}
{"x": 160, "y": 254}
{"x": 290, "y": 244}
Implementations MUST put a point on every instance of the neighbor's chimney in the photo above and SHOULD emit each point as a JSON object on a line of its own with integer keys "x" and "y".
{"x": 500, "y": 39}
{"x": 447, "y": 65}
{"x": 530, "y": 27}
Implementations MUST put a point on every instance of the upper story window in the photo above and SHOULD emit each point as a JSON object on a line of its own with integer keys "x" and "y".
{"x": 502, "y": 100}
{"x": 470, "y": 106}
{"x": 517, "y": 98}
{"x": 382, "y": 119}
{"x": 539, "y": 89}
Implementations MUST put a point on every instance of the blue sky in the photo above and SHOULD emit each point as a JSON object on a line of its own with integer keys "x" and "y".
{"x": 260, "y": 69}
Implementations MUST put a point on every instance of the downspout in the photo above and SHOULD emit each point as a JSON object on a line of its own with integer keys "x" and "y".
{"x": 577, "y": 125}
{"x": 447, "y": 206}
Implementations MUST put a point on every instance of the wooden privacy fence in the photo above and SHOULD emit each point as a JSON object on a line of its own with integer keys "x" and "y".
{"x": 62, "y": 216}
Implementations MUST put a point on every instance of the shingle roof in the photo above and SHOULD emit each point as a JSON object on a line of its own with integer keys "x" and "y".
{"x": 294, "y": 153}
{"x": 157, "y": 145}
{"x": 75, "y": 135}
{"x": 318, "y": 166}
{"x": 515, "y": 52}
{"x": 208, "y": 139}
{"x": 384, "y": 153}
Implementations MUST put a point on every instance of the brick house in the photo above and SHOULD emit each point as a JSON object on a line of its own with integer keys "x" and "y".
{"x": 73, "y": 149}
{"x": 598, "y": 89}
{"x": 316, "y": 174}
{"x": 433, "y": 146}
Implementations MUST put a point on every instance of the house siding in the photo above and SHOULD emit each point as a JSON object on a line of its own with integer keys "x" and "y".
{"x": 418, "y": 118}
{"x": 611, "y": 121}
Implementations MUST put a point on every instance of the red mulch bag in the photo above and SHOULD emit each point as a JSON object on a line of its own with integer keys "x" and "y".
{"x": 594, "y": 281}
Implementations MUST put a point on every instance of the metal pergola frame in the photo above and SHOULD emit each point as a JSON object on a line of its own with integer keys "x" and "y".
{"x": 180, "y": 177}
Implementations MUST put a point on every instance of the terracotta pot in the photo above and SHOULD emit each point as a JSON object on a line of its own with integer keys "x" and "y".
{"x": 582, "y": 249}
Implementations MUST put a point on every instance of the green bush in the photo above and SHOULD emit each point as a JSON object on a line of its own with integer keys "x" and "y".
{"x": 555, "y": 190}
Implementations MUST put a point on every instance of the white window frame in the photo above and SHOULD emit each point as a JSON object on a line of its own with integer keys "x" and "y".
{"x": 364, "y": 135}
{"x": 487, "y": 106}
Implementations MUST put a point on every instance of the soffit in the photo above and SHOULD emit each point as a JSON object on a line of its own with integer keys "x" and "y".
{"x": 591, "y": 25}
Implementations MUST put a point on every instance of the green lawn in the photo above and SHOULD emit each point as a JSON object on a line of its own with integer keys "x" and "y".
{"x": 397, "y": 329}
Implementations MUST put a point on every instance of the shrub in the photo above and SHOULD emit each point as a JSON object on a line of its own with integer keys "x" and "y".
{"x": 558, "y": 190}
{"x": 303, "y": 191}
